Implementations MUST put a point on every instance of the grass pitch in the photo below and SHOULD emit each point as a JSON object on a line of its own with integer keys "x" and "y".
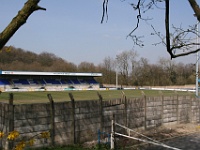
{"x": 41, "y": 96}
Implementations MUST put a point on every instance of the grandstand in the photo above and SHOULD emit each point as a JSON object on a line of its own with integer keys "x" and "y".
{"x": 49, "y": 81}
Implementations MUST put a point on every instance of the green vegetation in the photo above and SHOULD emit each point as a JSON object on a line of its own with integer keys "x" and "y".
{"x": 41, "y": 97}
{"x": 76, "y": 147}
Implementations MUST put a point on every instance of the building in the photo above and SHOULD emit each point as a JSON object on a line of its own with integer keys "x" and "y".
{"x": 47, "y": 81}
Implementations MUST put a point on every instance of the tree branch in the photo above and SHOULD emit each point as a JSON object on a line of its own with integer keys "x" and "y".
{"x": 105, "y": 10}
{"x": 181, "y": 36}
{"x": 186, "y": 53}
{"x": 29, "y": 7}
{"x": 167, "y": 28}
{"x": 195, "y": 8}
{"x": 138, "y": 18}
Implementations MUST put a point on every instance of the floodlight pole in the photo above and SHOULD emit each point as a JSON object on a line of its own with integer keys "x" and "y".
{"x": 197, "y": 63}
{"x": 197, "y": 85}
{"x": 116, "y": 79}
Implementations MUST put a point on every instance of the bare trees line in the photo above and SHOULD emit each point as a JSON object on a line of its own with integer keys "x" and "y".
{"x": 131, "y": 69}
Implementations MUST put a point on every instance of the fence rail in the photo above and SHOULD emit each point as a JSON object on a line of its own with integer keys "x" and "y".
{"x": 145, "y": 139}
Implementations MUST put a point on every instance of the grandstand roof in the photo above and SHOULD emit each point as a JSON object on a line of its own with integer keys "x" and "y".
{"x": 50, "y": 73}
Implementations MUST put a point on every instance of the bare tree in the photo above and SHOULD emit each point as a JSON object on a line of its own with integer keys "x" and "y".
{"x": 124, "y": 62}
{"x": 109, "y": 69}
{"x": 29, "y": 7}
{"x": 86, "y": 67}
{"x": 179, "y": 41}
{"x": 141, "y": 72}
{"x": 169, "y": 68}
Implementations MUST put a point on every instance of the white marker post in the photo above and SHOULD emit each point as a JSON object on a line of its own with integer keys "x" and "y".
{"x": 112, "y": 142}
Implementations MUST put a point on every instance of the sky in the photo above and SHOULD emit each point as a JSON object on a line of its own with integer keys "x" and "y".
{"x": 72, "y": 29}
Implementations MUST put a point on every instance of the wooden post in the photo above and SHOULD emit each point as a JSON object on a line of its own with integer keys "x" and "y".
{"x": 73, "y": 126}
{"x": 177, "y": 110}
{"x": 145, "y": 111}
{"x": 125, "y": 109}
{"x": 101, "y": 111}
{"x": 190, "y": 110}
{"x": 11, "y": 118}
{"x": 52, "y": 130}
{"x": 162, "y": 109}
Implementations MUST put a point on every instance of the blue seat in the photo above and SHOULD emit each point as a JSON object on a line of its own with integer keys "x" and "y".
{"x": 92, "y": 81}
{"x": 69, "y": 81}
{"x": 20, "y": 81}
{"x": 23, "y": 81}
{"x": 52, "y": 81}
{"x": 75, "y": 81}
{"x": 4, "y": 82}
{"x": 41, "y": 81}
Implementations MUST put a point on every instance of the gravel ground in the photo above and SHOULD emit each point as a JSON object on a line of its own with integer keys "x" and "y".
{"x": 190, "y": 142}
{"x": 181, "y": 136}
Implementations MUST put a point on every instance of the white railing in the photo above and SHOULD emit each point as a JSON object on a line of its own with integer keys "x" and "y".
{"x": 145, "y": 140}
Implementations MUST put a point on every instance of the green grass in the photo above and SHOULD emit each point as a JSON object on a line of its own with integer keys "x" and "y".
{"x": 41, "y": 96}
{"x": 63, "y": 148}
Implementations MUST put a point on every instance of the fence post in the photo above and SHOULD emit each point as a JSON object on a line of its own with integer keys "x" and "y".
{"x": 10, "y": 119}
{"x": 112, "y": 140}
{"x": 145, "y": 111}
{"x": 190, "y": 110}
{"x": 162, "y": 109}
{"x": 73, "y": 126}
{"x": 101, "y": 111}
{"x": 52, "y": 109}
{"x": 177, "y": 110}
{"x": 125, "y": 109}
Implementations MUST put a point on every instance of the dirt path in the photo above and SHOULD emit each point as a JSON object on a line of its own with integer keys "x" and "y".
{"x": 189, "y": 142}
{"x": 181, "y": 136}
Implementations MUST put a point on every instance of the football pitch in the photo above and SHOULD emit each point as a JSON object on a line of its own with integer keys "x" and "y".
{"x": 58, "y": 96}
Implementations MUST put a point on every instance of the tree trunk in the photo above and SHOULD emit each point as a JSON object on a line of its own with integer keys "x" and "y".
{"x": 29, "y": 7}
{"x": 195, "y": 8}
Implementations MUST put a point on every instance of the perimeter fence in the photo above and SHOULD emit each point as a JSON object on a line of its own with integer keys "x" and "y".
{"x": 73, "y": 122}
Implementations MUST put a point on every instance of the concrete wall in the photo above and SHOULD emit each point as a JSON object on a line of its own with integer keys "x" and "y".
{"x": 74, "y": 122}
